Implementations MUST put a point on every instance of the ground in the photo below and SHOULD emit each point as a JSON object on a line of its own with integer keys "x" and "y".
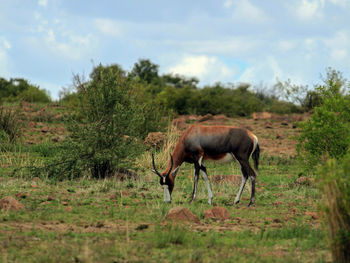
{"x": 89, "y": 220}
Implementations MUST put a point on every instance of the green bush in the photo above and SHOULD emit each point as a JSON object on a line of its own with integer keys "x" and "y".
{"x": 108, "y": 133}
{"x": 334, "y": 181}
{"x": 34, "y": 94}
{"x": 326, "y": 133}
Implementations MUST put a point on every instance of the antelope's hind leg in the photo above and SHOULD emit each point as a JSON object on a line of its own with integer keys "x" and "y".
{"x": 205, "y": 177}
{"x": 247, "y": 172}
{"x": 238, "y": 196}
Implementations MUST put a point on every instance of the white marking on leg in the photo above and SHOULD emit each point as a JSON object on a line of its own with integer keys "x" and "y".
{"x": 238, "y": 197}
{"x": 210, "y": 194}
{"x": 167, "y": 197}
{"x": 200, "y": 161}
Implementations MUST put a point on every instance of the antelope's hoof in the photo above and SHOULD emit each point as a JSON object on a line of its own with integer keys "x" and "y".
{"x": 250, "y": 204}
{"x": 236, "y": 202}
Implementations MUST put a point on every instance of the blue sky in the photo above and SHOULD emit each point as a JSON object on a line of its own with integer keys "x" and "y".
{"x": 47, "y": 41}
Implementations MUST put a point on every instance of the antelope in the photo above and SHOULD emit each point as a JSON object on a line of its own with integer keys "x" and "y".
{"x": 217, "y": 143}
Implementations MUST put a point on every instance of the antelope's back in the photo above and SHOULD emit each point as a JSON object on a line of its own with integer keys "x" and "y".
{"x": 216, "y": 140}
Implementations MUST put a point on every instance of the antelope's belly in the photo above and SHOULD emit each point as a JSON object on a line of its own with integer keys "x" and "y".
{"x": 222, "y": 158}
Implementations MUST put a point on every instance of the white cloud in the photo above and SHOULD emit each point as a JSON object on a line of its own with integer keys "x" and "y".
{"x": 286, "y": 45}
{"x": 62, "y": 41}
{"x": 309, "y": 9}
{"x": 341, "y": 3}
{"x": 42, "y": 3}
{"x": 244, "y": 10}
{"x": 267, "y": 69}
{"x": 338, "y": 46}
{"x": 205, "y": 68}
{"x": 228, "y": 3}
{"x": 108, "y": 27}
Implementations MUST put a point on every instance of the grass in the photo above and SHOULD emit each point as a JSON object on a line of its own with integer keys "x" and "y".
{"x": 90, "y": 220}
{"x": 111, "y": 221}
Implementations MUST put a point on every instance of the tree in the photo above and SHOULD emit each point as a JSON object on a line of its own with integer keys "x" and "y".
{"x": 107, "y": 135}
{"x": 145, "y": 70}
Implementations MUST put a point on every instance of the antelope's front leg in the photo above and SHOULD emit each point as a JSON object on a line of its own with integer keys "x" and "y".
{"x": 196, "y": 176}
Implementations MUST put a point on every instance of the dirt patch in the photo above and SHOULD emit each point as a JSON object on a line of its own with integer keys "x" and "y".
{"x": 181, "y": 215}
{"x": 217, "y": 212}
{"x": 99, "y": 227}
{"x": 10, "y": 203}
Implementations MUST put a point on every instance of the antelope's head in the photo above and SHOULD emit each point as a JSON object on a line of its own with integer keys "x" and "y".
{"x": 167, "y": 179}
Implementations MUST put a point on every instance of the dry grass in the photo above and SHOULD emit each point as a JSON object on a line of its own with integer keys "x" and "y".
{"x": 161, "y": 157}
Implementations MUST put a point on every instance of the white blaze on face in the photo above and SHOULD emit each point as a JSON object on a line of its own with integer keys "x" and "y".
{"x": 167, "y": 197}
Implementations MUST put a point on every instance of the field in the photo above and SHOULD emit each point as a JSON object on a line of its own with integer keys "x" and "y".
{"x": 89, "y": 220}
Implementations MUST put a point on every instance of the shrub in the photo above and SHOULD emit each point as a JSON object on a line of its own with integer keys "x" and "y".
{"x": 326, "y": 133}
{"x": 335, "y": 184}
{"x": 10, "y": 127}
{"x": 108, "y": 134}
{"x": 34, "y": 94}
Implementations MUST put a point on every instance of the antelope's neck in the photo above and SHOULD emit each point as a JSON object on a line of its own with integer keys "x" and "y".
{"x": 178, "y": 159}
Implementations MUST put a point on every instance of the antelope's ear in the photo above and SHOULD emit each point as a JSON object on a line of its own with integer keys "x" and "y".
{"x": 174, "y": 172}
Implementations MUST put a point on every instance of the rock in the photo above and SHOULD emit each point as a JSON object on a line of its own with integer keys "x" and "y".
{"x": 155, "y": 139}
{"x": 31, "y": 124}
{"x": 181, "y": 215}
{"x": 179, "y": 123}
{"x": 21, "y": 195}
{"x": 59, "y": 138}
{"x": 262, "y": 115}
{"x": 268, "y": 125}
{"x": 313, "y": 215}
{"x": 220, "y": 119}
{"x": 10, "y": 203}
{"x": 206, "y": 117}
{"x": 44, "y": 129}
{"x": 303, "y": 180}
{"x": 217, "y": 212}
{"x": 224, "y": 179}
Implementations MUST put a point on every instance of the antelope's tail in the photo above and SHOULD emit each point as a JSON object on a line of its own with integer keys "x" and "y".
{"x": 256, "y": 156}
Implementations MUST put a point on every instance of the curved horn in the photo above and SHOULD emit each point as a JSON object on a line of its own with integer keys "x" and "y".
{"x": 171, "y": 166}
{"x": 154, "y": 168}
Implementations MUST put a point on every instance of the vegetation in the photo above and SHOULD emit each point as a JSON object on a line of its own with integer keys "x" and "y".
{"x": 106, "y": 131}
{"x": 335, "y": 184}
{"x": 100, "y": 125}
{"x": 326, "y": 136}
{"x": 89, "y": 220}
{"x": 326, "y": 133}
{"x": 10, "y": 127}
{"x": 20, "y": 89}
{"x": 181, "y": 95}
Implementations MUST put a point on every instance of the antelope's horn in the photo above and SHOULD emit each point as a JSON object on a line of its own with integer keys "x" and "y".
{"x": 171, "y": 166}
{"x": 154, "y": 168}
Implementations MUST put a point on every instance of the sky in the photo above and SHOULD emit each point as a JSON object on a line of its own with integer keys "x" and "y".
{"x": 227, "y": 41}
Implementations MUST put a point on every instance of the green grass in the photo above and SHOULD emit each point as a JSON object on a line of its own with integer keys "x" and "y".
{"x": 88, "y": 220}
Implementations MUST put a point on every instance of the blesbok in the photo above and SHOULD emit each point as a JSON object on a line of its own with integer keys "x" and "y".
{"x": 217, "y": 143}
